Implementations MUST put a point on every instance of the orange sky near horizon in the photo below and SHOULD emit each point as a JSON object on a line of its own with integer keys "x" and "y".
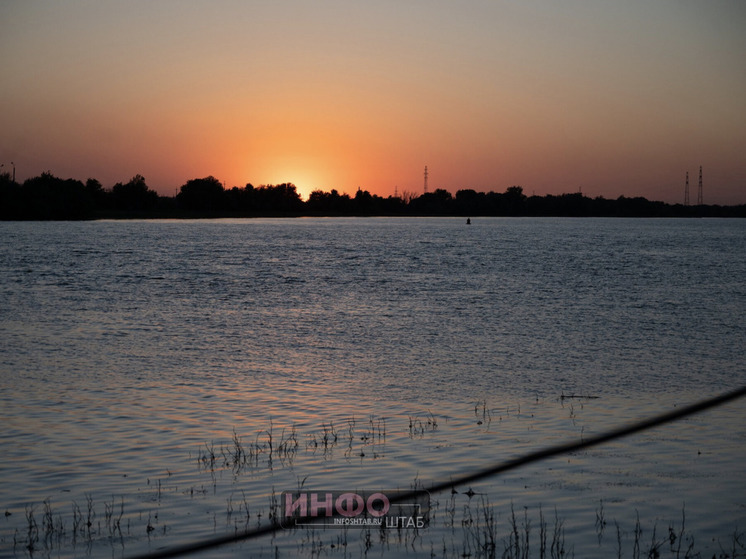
{"x": 609, "y": 98}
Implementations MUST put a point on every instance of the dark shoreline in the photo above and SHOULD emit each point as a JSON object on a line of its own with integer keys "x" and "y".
{"x": 672, "y": 212}
{"x": 717, "y": 212}
{"x": 49, "y": 198}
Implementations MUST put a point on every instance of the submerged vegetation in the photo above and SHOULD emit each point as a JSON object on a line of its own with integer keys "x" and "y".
{"x": 469, "y": 526}
{"x": 48, "y": 197}
{"x": 463, "y": 522}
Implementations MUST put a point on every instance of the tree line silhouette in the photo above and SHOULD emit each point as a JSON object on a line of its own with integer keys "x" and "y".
{"x": 48, "y": 197}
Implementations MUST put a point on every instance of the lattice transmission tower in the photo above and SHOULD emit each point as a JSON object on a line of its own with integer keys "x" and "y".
{"x": 425, "y": 179}
{"x": 699, "y": 189}
{"x": 686, "y": 190}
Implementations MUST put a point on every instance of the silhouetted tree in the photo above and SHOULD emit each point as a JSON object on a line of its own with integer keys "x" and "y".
{"x": 134, "y": 195}
{"x": 329, "y": 203}
{"x": 393, "y": 205}
{"x": 281, "y": 198}
{"x": 470, "y": 202}
{"x": 99, "y": 197}
{"x": 639, "y": 206}
{"x": 205, "y": 194}
{"x": 50, "y": 197}
{"x": 6, "y": 180}
{"x": 319, "y": 201}
{"x": 439, "y": 202}
{"x": 364, "y": 203}
{"x": 10, "y": 197}
{"x": 240, "y": 200}
{"x": 514, "y": 201}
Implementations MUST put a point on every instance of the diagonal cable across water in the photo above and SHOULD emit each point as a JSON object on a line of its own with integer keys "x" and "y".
{"x": 476, "y": 475}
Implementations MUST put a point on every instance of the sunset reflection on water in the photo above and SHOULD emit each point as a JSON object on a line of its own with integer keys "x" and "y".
{"x": 241, "y": 359}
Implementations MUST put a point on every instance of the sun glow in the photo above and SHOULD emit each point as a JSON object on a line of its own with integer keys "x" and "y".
{"x": 303, "y": 188}
{"x": 365, "y": 94}
{"x": 304, "y": 184}
{"x": 300, "y": 171}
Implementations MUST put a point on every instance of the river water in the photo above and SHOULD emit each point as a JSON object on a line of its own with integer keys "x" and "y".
{"x": 138, "y": 357}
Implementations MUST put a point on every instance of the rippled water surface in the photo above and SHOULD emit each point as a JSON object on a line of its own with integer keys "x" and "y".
{"x": 137, "y": 356}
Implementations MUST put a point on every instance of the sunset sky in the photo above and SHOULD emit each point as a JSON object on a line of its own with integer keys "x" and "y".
{"x": 607, "y": 97}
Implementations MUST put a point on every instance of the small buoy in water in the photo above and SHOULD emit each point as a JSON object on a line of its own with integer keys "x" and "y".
{"x": 468, "y": 221}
